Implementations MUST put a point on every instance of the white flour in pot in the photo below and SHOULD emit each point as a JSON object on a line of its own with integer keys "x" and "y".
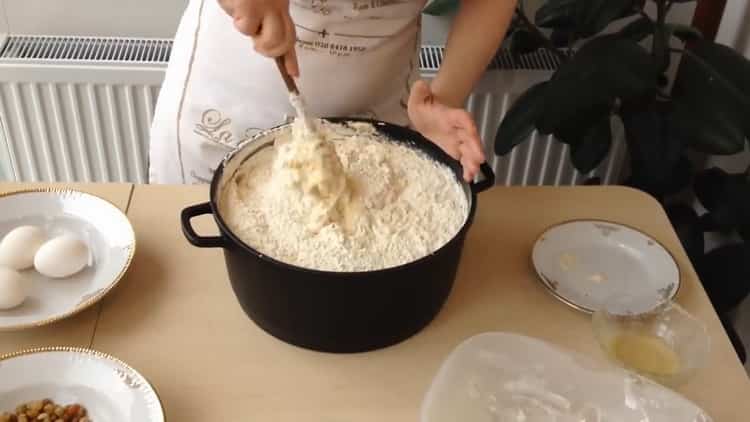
{"x": 344, "y": 200}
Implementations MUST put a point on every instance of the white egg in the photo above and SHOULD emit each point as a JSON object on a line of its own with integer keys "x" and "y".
{"x": 18, "y": 247}
{"x": 62, "y": 257}
{"x": 12, "y": 289}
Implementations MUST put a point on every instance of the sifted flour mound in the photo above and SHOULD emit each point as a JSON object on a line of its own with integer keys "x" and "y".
{"x": 379, "y": 205}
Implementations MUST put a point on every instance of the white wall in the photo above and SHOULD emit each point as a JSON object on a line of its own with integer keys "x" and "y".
{"x": 735, "y": 26}
{"x": 137, "y": 18}
{"x": 5, "y": 165}
{"x": 735, "y": 32}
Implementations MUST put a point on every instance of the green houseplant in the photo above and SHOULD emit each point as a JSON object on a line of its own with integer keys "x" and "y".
{"x": 676, "y": 95}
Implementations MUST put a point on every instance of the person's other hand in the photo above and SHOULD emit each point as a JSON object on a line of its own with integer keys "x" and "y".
{"x": 452, "y": 129}
{"x": 268, "y": 23}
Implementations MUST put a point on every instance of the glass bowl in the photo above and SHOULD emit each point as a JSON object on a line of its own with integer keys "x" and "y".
{"x": 666, "y": 344}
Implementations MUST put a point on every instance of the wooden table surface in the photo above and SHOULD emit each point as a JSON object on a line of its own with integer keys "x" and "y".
{"x": 174, "y": 316}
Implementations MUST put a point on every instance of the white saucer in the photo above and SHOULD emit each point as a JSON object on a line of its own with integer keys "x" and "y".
{"x": 585, "y": 263}
{"x": 102, "y": 225}
{"x": 109, "y": 389}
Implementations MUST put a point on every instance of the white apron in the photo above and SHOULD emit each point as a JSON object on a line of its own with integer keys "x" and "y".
{"x": 357, "y": 58}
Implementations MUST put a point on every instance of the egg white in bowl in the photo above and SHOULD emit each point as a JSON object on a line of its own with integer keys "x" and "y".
{"x": 103, "y": 227}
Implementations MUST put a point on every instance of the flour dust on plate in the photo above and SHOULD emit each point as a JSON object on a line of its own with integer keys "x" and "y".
{"x": 109, "y": 389}
{"x": 585, "y": 263}
{"x": 87, "y": 246}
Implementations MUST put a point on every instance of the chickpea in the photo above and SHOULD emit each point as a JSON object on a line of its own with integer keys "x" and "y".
{"x": 46, "y": 410}
{"x": 72, "y": 411}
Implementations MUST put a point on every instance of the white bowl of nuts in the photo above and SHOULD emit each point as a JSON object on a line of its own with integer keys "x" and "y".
{"x": 74, "y": 385}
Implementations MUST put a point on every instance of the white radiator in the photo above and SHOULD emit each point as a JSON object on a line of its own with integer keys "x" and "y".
{"x": 79, "y": 109}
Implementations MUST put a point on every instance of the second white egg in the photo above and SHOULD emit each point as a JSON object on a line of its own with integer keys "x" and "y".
{"x": 62, "y": 257}
{"x": 12, "y": 289}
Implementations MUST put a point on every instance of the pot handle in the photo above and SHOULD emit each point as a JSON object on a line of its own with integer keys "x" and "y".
{"x": 487, "y": 182}
{"x": 188, "y": 214}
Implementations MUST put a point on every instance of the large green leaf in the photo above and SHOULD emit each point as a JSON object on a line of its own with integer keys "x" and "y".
{"x": 573, "y": 130}
{"x": 441, "y": 7}
{"x": 734, "y": 337}
{"x": 639, "y": 29}
{"x": 725, "y": 273}
{"x": 563, "y": 37}
{"x": 593, "y": 148}
{"x": 686, "y": 223}
{"x": 711, "y": 128}
{"x": 711, "y": 99}
{"x": 558, "y": 13}
{"x": 685, "y": 33}
{"x": 744, "y": 232}
{"x": 598, "y": 14}
{"x": 660, "y": 48}
{"x": 587, "y": 17}
{"x": 656, "y": 160}
{"x": 726, "y": 197}
{"x": 523, "y": 42}
{"x": 649, "y": 143}
{"x": 605, "y": 69}
{"x": 709, "y": 185}
{"x": 520, "y": 121}
{"x": 662, "y": 188}
{"x": 730, "y": 64}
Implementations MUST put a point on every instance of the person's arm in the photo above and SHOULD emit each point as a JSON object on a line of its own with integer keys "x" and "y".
{"x": 477, "y": 31}
{"x": 437, "y": 110}
{"x": 268, "y": 23}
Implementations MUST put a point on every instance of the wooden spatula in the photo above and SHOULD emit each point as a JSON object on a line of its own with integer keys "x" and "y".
{"x": 294, "y": 95}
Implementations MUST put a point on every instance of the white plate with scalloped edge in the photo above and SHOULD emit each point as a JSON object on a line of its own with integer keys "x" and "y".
{"x": 109, "y": 389}
{"x": 102, "y": 225}
{"x": 585, "y": 263}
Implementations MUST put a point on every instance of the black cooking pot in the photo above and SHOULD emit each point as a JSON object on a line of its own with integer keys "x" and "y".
{"x": 335, "y": 311}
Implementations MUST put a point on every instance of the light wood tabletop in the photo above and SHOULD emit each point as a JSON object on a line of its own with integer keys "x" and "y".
{"x": 175, "y": 318}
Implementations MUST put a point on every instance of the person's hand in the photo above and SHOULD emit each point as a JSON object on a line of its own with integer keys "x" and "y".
{"x": 270, "y": 26}
{"x": 452, "y": 129}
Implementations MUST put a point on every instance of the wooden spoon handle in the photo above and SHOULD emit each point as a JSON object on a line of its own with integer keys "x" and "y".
{"x": 291, "y": 86}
